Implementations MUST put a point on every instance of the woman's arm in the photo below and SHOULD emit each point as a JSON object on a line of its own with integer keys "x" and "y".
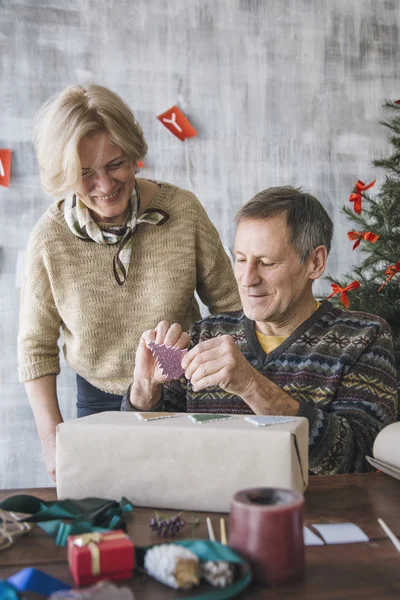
{"x": 216, "y": 284}
{"x": 38, "y": 352}
{"x": 42, "y": 395}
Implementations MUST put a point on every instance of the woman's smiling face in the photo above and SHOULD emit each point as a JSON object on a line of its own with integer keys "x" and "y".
{"x": 108, "y": 178}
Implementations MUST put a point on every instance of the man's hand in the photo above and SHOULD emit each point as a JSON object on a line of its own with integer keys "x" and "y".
{"x": 147, "y": 376}
{"x": 218, "y": 362}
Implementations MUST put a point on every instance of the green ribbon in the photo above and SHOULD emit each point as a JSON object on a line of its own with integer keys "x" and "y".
{"x": 8, "y": 591}
{"x": 208, "y": 550}
{"x": 89, "y": 514}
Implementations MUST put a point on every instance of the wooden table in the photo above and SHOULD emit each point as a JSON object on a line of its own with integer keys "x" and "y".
{"x": 368, "y": 570}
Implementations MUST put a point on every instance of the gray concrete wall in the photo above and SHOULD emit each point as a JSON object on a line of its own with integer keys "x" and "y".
{"x": 281, "y": 92}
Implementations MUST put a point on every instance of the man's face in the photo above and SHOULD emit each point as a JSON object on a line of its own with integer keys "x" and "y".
{"x": 273, "y": 284}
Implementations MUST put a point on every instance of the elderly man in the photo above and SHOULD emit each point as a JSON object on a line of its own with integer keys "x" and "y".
{"x": 285, "y": 354}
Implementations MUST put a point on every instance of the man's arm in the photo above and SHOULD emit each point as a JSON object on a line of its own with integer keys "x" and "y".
{"x": 365, "y": 403}
{"x": 171, "y": 398}
{"x": 219, "y": 362}
{"x": 341, "y": 435}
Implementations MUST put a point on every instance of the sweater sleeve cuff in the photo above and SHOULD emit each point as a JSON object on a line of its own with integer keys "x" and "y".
{"x": 307, "y": 411}
{"x": 127, "y": 406}
{"x": 39, "y": 369}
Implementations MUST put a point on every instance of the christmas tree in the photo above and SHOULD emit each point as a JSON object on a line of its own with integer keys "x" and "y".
{"x": 374, "y": 284}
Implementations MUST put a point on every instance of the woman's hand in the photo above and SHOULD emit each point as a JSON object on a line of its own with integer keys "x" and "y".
{"x": 42, "y": 394}
{"x": 49, "y": 455}
{"x": 147, "y": 376}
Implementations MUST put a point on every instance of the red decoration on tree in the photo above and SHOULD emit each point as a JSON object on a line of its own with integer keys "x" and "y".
{"x": 391, "y": 271}
{"x": 397, "y": 101}
{"x": 368, "y": 236}
{"x": 356, "y": 196}
{"x": 336, "y": 289}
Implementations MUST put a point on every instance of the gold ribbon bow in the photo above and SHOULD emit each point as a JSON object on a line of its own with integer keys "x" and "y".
{"x": 92, "y": 541}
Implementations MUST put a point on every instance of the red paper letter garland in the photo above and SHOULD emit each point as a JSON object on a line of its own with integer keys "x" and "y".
{"x": 5, "y": 166}
{"x": 174, "y": 120}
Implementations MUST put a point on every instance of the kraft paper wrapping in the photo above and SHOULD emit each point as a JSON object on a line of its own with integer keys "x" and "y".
{"x": 387, "y": 447}
{"x": 175, "y": 463}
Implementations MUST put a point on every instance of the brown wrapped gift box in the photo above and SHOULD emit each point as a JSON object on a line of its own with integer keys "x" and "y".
{"x": 175, "y": 463}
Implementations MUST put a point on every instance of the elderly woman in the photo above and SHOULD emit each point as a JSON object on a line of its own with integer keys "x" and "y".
{"x": 110, "y": 259}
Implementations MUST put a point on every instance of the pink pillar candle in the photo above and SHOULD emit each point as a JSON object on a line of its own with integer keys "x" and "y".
{"x": 266, "y": 526}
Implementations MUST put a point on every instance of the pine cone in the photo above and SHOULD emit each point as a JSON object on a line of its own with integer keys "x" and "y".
{"x": 219, "y": 573}
{"x": 173, "y": 565}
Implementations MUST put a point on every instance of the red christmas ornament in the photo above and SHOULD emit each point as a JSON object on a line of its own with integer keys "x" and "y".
{"x": 391, "y": 271}
{"x": 368, "y": 236}
{"x": 356, "y": 196}
{"x": 336, "y": 289}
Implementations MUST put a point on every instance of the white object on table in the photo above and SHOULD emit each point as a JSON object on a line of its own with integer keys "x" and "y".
{"x": 210, "y": 529}
{"x": 341, "y": 533}
{"x": 392, "y": 537}
{"x": 311, "y": 538}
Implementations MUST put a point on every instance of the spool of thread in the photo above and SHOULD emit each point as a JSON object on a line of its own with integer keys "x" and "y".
{"x": 266, "y": 526}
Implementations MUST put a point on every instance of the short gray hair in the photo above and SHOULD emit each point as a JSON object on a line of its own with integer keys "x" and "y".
{"x": 307, "y": 220}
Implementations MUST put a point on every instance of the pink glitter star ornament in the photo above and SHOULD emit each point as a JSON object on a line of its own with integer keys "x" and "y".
{"x": 169, "y": 359}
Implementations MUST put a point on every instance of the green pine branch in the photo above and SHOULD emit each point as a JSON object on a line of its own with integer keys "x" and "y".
{"x": 381, "y": 215}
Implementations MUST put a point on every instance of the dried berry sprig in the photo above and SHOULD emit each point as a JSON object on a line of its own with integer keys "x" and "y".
{"x": 170, "y": 526}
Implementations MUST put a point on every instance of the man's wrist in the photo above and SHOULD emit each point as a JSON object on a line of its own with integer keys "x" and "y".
{"x": 254, "y": 391}
{"x": 144, "y": 394}
{"x": 265, "y": 397}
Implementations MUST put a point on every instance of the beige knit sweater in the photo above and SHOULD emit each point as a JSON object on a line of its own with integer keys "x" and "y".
{"x": 69, "y": 283}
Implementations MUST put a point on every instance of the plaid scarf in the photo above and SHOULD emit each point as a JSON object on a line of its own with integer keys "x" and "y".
{"x": 81, "y": 223}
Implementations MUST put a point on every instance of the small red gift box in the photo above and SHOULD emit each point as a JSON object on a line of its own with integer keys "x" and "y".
{"x": 96, "y": 556}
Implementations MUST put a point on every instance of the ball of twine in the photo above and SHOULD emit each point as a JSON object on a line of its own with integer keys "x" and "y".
{"x": 11, "y": 528}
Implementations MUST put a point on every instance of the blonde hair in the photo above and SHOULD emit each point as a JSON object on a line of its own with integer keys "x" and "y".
{"x": 66, "y": 118}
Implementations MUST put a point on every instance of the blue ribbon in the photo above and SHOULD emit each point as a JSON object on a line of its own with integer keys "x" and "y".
{"x": 30, "y": 580}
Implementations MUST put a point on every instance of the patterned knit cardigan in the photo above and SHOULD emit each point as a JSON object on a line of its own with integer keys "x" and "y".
{"x": 338, "y": 364}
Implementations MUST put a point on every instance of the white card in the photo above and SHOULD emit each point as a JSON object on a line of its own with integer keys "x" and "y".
{"x": 341, "y": 533}
{"x": 153, "y": 416}
{"x": 265, "y": 420}
{"x": 208, "y": 418}
{"x": 311, "y": 538}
